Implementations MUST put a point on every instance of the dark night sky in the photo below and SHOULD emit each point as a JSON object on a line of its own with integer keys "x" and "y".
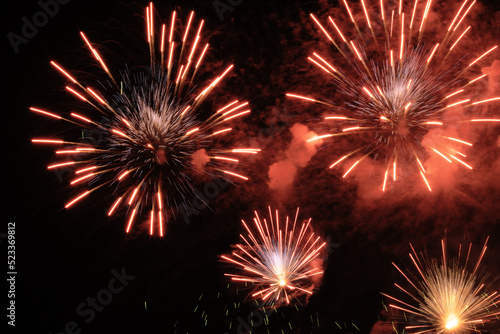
{"x": 64, "y": 256}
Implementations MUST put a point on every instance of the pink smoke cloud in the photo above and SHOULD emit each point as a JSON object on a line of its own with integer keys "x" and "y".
{"x": 298, "y": 154}
{"x": 493, "y": 72}
{"x": 200, "y": 159}
{"x": 382, "y": 328}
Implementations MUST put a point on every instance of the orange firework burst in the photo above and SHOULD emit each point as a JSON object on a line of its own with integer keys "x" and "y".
{"x": 155, "y": 138}
{"x": 277, "y": 260}
{"x": 450, "y": 299}
{"x": 402, "y": 89}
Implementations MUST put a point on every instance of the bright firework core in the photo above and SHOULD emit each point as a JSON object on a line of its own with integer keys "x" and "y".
{"x": 451, "y": 322}
{"x": 156, "y": 132}
{"x": 278, "y": 264}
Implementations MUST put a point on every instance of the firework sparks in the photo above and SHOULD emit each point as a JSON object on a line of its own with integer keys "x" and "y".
{"x": 450, "y": 298}
{"x": 400, "y": 91}
{"x": 278, "y": 258}
{"x": 156, "y": 137}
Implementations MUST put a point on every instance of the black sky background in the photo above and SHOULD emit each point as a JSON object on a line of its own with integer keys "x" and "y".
{"x": 65, "y": 256}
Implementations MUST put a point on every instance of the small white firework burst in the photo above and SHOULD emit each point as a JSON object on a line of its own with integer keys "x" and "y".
{"x": 279, "y": 258}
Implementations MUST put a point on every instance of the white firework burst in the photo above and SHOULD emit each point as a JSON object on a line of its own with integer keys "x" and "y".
{"x": 279, "y": 260}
